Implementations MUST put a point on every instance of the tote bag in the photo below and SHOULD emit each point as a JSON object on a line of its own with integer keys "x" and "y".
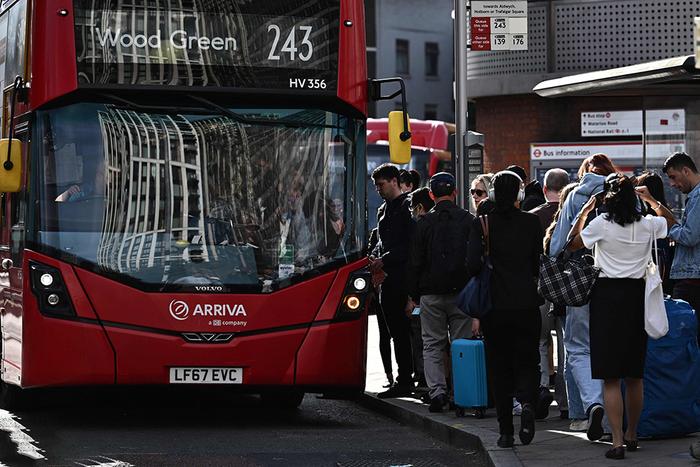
{"x": 655, "y": 319}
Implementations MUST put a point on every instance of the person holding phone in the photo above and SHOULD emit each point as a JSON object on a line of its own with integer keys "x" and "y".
{"x": 623, "y": 239}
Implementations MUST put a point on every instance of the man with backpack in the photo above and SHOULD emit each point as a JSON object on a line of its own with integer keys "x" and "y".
{"x": 436, "y": 275}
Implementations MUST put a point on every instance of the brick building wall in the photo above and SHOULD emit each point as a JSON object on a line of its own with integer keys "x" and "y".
{"x": 511, "y": 123}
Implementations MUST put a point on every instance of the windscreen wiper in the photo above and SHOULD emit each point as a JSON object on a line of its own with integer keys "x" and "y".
{"x": 209, "y": 106}
{"x": 257, "y": 121}
{"x": 144, "y": 108}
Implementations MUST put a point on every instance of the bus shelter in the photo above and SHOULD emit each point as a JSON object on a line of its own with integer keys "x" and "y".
{"x": 637, "y": 114}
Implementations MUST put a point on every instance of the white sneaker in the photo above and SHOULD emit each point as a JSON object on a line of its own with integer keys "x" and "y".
{"x": 578, "y": 425}
{"x": 517, "y": 407}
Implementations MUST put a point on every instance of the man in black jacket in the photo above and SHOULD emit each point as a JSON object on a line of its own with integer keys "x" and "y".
{"x": 394, "y": 231}
{"x": 437, "y": 273}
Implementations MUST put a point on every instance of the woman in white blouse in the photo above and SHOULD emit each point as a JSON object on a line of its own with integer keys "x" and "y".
{"x": 621, "y": 239}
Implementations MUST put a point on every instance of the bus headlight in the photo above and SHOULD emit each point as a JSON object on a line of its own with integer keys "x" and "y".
{"x": 46, "y": 280}
{"x": 352, "y": 302}
{"x": 354, "y": 296}
{"x": 50, "y": 291}
{"x": 53, "y": 299}
{"x": 359, "y": 283}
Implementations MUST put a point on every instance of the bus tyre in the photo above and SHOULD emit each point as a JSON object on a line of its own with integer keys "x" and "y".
{"x": 285, "y": 400}
{"x": 11, "y": 397}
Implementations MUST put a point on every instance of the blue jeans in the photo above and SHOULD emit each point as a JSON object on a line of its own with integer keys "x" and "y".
{"x": 583, "y": 391}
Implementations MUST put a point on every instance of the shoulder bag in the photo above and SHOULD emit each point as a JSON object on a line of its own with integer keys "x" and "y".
{"x": 655, "y": 318}
{"x": 475, "y": 297}
{"x": 565, "y": 280}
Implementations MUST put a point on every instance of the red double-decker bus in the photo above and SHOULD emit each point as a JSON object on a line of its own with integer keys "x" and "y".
{"x": 432, "y": 144}
{"x": 185, "y": 195}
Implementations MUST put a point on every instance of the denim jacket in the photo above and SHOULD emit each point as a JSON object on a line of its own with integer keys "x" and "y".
{"x": 686, "y": 261}
{"x": 589, "y": 185}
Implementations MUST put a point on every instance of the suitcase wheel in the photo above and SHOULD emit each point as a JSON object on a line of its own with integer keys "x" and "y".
{"x": 459, "y": 412}
{"x": 479, "y": 413}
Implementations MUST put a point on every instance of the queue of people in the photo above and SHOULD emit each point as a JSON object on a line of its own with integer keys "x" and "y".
{"x": 425, "y": 250}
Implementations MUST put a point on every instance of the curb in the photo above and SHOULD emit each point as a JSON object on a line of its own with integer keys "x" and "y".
{"x": 451, "y": 430}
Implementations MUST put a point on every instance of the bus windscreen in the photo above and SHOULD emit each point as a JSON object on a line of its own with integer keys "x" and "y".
{"x": 172, "y": 201}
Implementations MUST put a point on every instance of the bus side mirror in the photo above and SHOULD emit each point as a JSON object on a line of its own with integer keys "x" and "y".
{"x": 399, "y": 139}
{"x": 10, "y": 165}
{"x": 399, "y": 125}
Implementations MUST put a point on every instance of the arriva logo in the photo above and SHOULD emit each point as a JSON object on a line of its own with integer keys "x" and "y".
{"x": 181, "y": 310}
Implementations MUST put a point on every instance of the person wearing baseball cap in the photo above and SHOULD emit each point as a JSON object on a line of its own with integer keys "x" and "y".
{"x": 437, "y": 272}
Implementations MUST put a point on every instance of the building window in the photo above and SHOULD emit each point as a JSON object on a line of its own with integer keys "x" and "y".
{"x": 432, "y": 52}
{"x": 430, "y": 112}
{"x": 402, "y": 57}
{"x": 370, "y": 23}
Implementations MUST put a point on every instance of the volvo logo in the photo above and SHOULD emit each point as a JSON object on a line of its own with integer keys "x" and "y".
{"x": 179, "y": 310}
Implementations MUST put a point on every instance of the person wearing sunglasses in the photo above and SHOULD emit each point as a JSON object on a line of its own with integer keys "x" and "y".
{"x": 480, "y": 189}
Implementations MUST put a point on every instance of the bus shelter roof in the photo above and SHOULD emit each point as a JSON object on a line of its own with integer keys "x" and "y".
{"x": 672, "y": 76}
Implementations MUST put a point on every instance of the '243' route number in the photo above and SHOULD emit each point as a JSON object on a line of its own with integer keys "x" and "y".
{"x": 303, "y": 51}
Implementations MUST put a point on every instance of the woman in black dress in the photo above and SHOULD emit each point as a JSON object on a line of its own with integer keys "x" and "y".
{"x": 622, "y": 240}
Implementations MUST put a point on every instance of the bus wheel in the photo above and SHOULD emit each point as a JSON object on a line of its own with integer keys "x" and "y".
{"x": 286, "y": 400}
{"x": 12, "y": 397}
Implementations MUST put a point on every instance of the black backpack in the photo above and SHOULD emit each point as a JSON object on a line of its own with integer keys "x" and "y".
{"x": 448, "y": 255}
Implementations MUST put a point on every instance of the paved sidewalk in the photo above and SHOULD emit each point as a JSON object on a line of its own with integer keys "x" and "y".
{"x": 554, "y": 444}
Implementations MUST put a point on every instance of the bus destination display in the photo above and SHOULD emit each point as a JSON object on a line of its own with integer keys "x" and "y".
{"x": 276, "y": 44}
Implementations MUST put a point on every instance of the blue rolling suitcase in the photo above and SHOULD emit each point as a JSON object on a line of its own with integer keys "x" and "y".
{"x": 469, "y": 376}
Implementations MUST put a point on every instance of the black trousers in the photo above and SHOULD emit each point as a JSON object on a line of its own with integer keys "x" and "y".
{"x": 690, "y": 292}
{"x": 512, "y": 349}
{"x": 384, "y": 339}
{"x": 393, "y": 298}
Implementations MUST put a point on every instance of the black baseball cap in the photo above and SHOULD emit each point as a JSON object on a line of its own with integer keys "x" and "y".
{"x": 442, "y": 184}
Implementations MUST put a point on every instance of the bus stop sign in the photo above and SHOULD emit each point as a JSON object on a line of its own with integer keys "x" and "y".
{"x": 498, "y": 25}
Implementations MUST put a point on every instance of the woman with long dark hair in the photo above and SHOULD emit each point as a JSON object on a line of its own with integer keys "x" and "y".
{"x": 512, "y": 327}
{"x": 623, "y": 240}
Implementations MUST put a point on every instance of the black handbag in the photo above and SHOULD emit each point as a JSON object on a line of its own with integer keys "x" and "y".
{"x": 565, "y": 280}
{"x": 475, "y": 297}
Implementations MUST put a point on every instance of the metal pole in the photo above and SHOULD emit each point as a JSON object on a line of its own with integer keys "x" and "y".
{"x": 461, "y": 101}
{"x": 644, "y": 135}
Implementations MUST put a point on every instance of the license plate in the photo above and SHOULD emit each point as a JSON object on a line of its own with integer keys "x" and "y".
{"x": 190, "y": 375}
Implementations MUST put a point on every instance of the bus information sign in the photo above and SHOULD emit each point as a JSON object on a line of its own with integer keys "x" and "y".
{"x": 240, "y": 44}
{"x": 498, "y": 25}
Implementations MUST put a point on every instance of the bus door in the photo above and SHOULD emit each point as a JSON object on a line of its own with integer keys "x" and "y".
{"x": 12, "y": 229}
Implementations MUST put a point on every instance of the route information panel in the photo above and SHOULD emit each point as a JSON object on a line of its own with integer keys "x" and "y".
{"x": 275, "y": 44}
{"x": 498, "y": 25}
